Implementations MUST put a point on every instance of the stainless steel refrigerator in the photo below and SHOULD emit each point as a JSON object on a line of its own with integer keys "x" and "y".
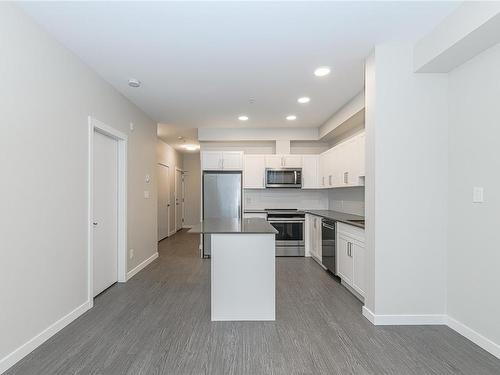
{"x": 222, "y": 193}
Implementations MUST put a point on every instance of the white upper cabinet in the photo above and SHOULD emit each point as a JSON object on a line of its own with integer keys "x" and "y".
{"x": 232, "y": 160}
{"x": 222, "y": 160}
{"x": 283, "y": 161}
{"x": 344, "y": 164}
{"x": 292, "y": 161}
{"x": 310, "y": 172}
{"x": 274, "y": 161}
{"x": 211, "y": 160}
{"x": 254, "y": 172}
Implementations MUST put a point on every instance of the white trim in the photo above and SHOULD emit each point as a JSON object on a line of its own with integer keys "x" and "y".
{"x": 170, "y": 234}
{"x": 176, "y": 198}
{"x": 122, "y": 139}
{"x": 474, "y": 336}
{"x": 404, "y": 320}
{"x": 10, "y": 359}
{"x": 187, "y": 226}
{"x": 141, "y": 266}
{"x": 368, "y": 314}
{"x": 169, "y": 204}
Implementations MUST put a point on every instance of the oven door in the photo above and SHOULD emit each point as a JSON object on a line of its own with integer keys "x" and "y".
{"x": 290, "y": 237}
{"x": 283, "y": 178}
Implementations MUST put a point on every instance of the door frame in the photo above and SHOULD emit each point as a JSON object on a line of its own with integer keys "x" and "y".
{"x": 169, "y": 203}
{"x": 177, "y": 197}
{"x": 95, "y": 125}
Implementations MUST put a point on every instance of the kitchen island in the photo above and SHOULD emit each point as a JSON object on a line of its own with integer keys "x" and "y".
{"x": 243, "y": 268}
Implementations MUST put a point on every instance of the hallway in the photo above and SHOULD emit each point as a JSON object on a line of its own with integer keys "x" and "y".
{"x": 159, "y": 323}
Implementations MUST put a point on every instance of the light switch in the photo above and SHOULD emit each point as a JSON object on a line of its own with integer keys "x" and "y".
{"x": 146, "y": 194}
{"x": 477, "y": 194}
{"x": 131, "y": 126}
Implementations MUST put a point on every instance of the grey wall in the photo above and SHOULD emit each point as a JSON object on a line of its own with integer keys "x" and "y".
{"x": 46, "y": 96}
{"x": 474, "y": 238}
{"x": 192, "y": 186}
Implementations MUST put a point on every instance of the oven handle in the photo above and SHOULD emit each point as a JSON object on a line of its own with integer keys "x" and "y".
{"x": 329, "y": 227}
{"x": 285, "y": 221}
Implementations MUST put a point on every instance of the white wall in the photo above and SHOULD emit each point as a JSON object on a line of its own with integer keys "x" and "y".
{"x": 166, "y": 154}
{"x": 46, "y": 96}
{"x": 474, "y": 238}
{"x": 285, "y": 198}
{"x": 406, "y": 122}
{"x": 350, "y": 200}
{"x": 192, "y": 180}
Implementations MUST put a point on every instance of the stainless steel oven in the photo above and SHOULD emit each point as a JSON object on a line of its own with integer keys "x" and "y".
{"x": 290, "y": 227}
{"x": 284, "y": 178}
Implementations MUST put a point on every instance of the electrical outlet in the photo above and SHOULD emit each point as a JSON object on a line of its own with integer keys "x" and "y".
{"x": 146, "y": 194}
{"x": 131, "y": 253}
{"x": 477, "y": 194}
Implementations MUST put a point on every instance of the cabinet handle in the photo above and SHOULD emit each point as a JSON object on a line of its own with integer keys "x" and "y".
{"x": 330, "y": 180}
{"x": 346, "y": 177}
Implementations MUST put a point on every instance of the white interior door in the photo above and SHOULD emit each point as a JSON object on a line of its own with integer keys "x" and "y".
{"x": 105, "y": 207}
{"x": 178, "y": 200}
{"x": 163, "y": 201}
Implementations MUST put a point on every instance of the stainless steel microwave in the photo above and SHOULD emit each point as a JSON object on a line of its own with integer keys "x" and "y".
{"x": 284, "y": 178}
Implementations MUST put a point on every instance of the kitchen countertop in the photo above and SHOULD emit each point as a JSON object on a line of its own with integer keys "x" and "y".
{"x": 234, "y": 226}
{"x": 338, "y": 216}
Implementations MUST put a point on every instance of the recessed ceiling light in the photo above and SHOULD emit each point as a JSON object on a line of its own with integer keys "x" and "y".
{"x": 243, "y": 118}
{"x": 304, "y": 100}
{"x": 132, "y": 82}
{"x": 322, "y": 71}
{"x": 291, "y": 117}
{"x": 190, "y": 147}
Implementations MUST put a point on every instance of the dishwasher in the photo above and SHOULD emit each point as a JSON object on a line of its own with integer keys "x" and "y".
{"x": 328, "y": 245}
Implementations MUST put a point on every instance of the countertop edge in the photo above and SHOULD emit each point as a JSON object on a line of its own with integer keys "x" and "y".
{"x": 315, "y": 213}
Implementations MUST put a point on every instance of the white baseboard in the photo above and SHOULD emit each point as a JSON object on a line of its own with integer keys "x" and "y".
{"x": 172, "y": 233}
{"x": 18, "y": 354}
{"x": 467, "y": 332}
{"x": 404, "y": 320}
{"x": 474, "y": 336}
{"x": 142, "y": 265}
{"x": 187, "y": 226}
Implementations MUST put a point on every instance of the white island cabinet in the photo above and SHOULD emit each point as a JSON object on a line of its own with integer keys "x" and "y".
{"x": 242, "y": 268}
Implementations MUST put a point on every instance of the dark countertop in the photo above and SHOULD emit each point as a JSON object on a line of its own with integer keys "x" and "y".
{"x": 234, "y": 226}
{"x": 338, "y": 216}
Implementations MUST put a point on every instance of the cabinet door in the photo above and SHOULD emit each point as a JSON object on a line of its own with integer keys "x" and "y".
{"x": 274, "y": 161}
{"x": 292, "y": 161}
{"x": 232, "y": 160}
{"x": 254, "y": 172}
{"x": 322, "y": 170}
{"x": 344, "y": 260}
{"x": 310, "y": 169}
{"x": 358, "y": 276}
{"x": 211, "y": 160}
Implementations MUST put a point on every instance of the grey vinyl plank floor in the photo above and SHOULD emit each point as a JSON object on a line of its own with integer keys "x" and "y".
{"x": 159, "y": 323}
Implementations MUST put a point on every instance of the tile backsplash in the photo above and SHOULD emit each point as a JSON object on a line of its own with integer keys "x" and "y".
{"x": 285, "y": 198}
{"x": 350, "y": 200}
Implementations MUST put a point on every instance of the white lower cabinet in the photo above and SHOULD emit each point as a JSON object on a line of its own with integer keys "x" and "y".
{"x": 313, "y": 237}
{"x": 351, "y": 257}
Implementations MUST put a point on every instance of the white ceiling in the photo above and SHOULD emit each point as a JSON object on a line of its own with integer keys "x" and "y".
{"x": 201, "y": 62}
